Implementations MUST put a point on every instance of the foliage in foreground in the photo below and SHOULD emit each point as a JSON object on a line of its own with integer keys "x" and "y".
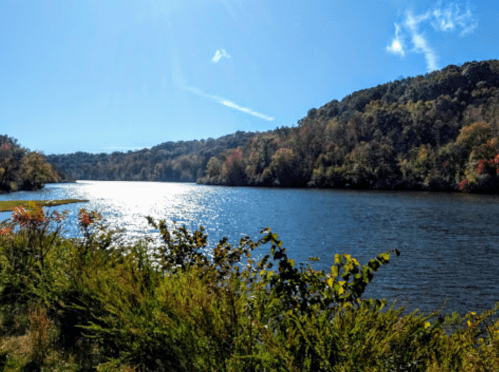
{"x": 90, "y": 304}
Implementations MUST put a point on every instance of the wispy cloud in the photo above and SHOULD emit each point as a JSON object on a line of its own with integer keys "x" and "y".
{"x": 246, "y": 110}
{"x": 421, "y": 45}
{"x": 452, "y": 18}
{"x": 448, "y": 19}
{"x": 226, "y": 102}
{"x": 219, "y": 54}
{"x": 397, "y": 45}
{"x": 230, "y": 8}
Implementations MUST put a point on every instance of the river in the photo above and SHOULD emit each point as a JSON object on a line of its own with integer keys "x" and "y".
{"x": 449, "y": 242}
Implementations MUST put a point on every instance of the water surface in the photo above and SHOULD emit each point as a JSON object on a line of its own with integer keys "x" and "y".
{"x": 449, "y": 242}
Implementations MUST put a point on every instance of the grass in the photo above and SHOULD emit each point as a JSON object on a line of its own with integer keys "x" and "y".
{"x": 89, "y": 305}
{"x": 9, "y": 205}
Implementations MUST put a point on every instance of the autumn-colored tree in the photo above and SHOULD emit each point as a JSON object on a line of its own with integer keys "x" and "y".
{"x": 474, "y": 135}
{"x": 485, "y": 151}
{"x": 36, "y": 171}
{"x": 233, "y": 167}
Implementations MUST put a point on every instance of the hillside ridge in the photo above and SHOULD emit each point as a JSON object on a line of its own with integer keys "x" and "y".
{"x": 436, "y": 131}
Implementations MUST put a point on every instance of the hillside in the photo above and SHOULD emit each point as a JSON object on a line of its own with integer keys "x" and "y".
{"x": 170, "y": 161}
{"x": 433, "y": 132}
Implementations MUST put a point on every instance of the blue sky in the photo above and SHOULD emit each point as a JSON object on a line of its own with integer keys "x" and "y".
{"x": 101, "y": 76}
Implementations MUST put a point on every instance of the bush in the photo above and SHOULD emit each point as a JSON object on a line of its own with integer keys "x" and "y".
{"x": 91, "y": 304}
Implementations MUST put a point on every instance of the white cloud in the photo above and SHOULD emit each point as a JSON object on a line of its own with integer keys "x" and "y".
{"x": 451, "y": 18}
{"x": 397, "y": 46}
{"x": 421, "y": 45}
{"x": 219, "y": 54}
{"x": 227, "y": 103}
{"x": 246, "y": 110}
{"x": 442, "y": 19}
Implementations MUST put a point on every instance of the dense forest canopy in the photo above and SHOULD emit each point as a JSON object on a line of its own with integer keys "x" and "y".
{"x": 439, "y": 131}
{"x": 21, "y": 169}
{"x": 170, "y": 161}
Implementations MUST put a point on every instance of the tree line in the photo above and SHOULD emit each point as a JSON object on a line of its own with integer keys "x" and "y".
{"x": 182, "y": 161}
{"x": 437, "y": 131}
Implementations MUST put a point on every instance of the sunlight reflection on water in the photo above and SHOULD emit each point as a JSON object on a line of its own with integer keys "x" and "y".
{"x": 126, "y": 204}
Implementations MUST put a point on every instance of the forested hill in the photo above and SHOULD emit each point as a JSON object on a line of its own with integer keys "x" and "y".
{"x": 433, "y": 132}
{"x": 170, "y": 161}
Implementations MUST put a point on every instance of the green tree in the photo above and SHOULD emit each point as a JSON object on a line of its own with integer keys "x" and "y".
{"x": 36, "y": 171}
{"x": 6, "y": 163}
{"x": 371, "y": 165}
{"x": 283, "y": 166}
{"x": 213, "y": 168}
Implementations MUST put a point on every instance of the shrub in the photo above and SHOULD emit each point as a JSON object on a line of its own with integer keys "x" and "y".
{"x": 94, "y": 304}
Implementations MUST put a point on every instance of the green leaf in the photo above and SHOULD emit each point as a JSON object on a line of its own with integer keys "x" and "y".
{"x": 330, "y": 282}
{"x": 385, "y": 256}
